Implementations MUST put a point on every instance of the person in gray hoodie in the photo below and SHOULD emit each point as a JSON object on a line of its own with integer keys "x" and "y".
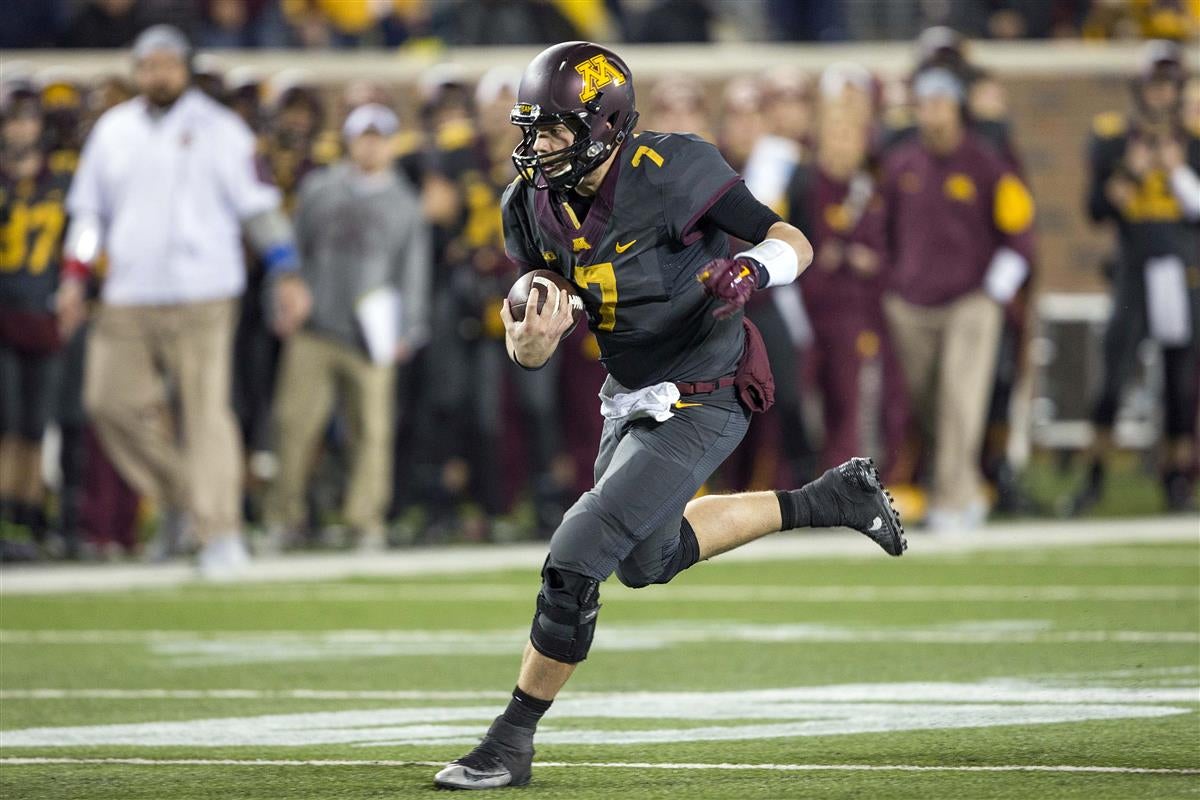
{"x": 364, "y": 253}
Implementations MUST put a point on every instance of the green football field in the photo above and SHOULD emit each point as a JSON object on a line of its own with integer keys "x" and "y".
{"x": 1028, "y": 670}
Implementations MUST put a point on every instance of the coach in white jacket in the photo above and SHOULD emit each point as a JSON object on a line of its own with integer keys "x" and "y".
{"x": 166, "y": 186}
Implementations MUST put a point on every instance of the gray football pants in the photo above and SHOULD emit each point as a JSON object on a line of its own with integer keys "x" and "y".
{"x": 646, "y": 472}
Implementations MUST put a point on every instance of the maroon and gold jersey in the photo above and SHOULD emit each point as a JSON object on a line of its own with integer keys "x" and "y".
{"x": 634, "y": 256}
{"x": 1153, "y": 222}
{"x": 32, "y": 222}
{"x": 947, "y": 216}
{"x": 844, "y": 212}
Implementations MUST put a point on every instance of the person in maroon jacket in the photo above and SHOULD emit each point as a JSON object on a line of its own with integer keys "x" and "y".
{"x": 959, "y": 241}
{"x": 837, "y": 202}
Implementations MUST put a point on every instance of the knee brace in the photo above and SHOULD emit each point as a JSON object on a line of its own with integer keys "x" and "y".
{"x": 565, "y": 621}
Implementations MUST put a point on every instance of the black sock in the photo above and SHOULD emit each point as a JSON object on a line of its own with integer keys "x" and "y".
{"x": 794, "y": 509}
{"x": 525, "y": 710}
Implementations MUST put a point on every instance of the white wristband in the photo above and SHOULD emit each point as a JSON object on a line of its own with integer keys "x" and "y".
{"x": 82, "y": 242}
{"x": 778, "y": 259}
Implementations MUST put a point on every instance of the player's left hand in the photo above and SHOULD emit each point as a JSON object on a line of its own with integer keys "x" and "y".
{"x": 732, "y": 280}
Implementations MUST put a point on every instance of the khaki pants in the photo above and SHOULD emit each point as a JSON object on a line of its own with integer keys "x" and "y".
{"x": 948, "y": 355}
{"x": 143, "y": 362}
{"x": 312, "y": 371}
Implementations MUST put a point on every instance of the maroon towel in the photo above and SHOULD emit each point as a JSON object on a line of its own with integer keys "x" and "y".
{"x": 754, "y": 381}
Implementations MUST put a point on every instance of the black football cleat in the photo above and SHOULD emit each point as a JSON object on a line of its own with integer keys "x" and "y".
{"x": 853, "y": 495}
{"x": 503, "y": 758}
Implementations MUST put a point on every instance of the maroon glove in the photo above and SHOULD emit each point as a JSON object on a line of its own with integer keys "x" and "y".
{"x": 732, "y": 280}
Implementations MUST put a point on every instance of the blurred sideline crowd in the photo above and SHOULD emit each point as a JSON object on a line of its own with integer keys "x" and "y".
{"x": 904, "y": 339}
{"x": 392, "y": 23}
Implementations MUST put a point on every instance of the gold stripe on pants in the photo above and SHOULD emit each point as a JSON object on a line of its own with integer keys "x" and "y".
{"x": 156, "y": 387}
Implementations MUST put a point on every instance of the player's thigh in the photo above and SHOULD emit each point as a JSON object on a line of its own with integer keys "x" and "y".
{"x": 656, "y": 546}
{"x": 610, "y": 437}
{"x": 655, "y": 470}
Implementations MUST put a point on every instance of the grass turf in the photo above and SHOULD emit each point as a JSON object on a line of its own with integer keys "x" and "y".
{"x": 1112, "y": 619}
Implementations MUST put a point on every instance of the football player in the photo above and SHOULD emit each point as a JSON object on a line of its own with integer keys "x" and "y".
{"x": 640, "y": 225}
{"x": 31, "y": 227}
{"x": 1144, "y": 181}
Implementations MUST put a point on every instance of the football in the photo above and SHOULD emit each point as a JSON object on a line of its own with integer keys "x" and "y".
{"x": 545, "y": 281}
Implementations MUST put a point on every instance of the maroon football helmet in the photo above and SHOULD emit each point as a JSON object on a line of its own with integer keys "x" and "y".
{"x": 588, "y": 89}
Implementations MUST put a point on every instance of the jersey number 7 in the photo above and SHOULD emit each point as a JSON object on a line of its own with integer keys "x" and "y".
{"x": 601, "y": 275}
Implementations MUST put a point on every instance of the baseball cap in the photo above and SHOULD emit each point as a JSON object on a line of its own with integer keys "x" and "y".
{"x": 370, "y": 117}
{"x": 1161, "y": 60}
{"x": 937, "y": 82}
{"x": 161, "y": 38}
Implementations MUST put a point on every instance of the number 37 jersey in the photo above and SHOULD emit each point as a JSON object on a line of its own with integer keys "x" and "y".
{"x": 634, "y": 257}
{"x": 32, "y": 221}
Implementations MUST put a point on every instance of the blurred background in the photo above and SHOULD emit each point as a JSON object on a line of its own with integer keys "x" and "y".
{"x": 1085, "y": 413}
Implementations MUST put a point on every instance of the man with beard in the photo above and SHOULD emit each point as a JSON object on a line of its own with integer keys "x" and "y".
{"x": 166, "y": 186}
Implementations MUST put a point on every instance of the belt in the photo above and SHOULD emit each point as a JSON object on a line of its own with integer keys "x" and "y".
{"x": 704, "y": 387}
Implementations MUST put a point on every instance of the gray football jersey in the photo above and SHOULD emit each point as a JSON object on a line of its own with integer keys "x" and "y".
{"x": 635, "y": 257}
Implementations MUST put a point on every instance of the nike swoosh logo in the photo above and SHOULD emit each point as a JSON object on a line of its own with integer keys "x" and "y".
{"x": 681, "y": 404}
{"x": 876, "y": 524}
{"x": 621, "y": 248}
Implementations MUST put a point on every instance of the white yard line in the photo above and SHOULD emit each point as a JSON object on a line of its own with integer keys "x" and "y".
{"x": 334, "y": 644}
{"x": 194, "y": 649}
{"x": 231, "y": 762}
{"x": 1007, "y": 690}
{"x": 457, "y": 560}
{"x": 244, "y": 694}
{"x": 456, "y": 593}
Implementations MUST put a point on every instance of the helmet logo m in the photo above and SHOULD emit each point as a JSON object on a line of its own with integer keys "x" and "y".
{"x": 597, "y": 72}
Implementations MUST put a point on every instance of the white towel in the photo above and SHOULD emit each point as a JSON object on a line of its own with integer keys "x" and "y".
{"x": 652, "y": 401}
{"x": 1167, "y": 301}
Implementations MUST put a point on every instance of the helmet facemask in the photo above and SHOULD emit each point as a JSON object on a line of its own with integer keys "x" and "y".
{"x": 589, "y": 150}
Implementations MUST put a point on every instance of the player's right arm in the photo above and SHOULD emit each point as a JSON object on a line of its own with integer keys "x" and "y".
{"x": 534, "y": 339}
